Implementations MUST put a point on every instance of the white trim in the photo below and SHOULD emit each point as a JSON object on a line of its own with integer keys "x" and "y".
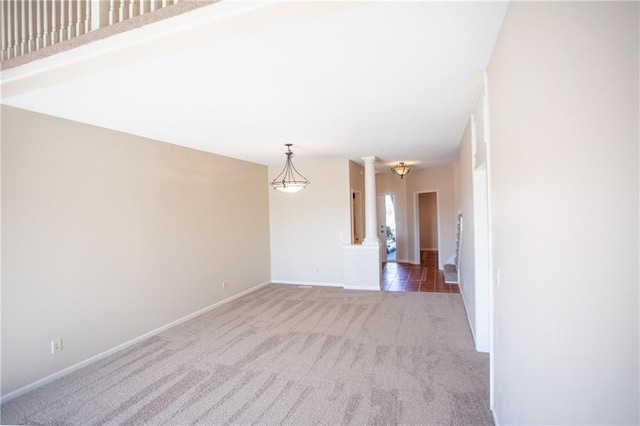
{"x": 360, "y": 215}
{"x": 50, "y": 378}
{"x": 473, "y": 332}
{"x": 464, "y": 302}
{"x": 495, "y": 417}
{"x": 383, "y": 242}
{"x": 487, "y": 140}
{"x": 370, "y": 287}
{"x": 317, "y": 284}
{"x": 416, "y": 226}
{"x": 314, "y": 283}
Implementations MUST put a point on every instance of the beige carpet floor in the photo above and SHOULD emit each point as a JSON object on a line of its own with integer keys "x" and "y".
{"x": 285, "y": 355}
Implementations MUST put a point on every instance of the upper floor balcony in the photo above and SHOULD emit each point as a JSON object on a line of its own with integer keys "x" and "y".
{"x": 32, "y": 29}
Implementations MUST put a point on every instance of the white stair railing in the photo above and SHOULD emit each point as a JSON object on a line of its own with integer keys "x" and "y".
{"x": 30, "y": 25}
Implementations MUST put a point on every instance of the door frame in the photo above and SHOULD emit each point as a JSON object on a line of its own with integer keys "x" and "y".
{"x": 358, "y": 227}
{"x": 416, "y": 225}
{"x": 383, "y": 241}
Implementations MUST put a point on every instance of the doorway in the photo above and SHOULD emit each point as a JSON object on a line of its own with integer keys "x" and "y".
{"x": 427, "y": 232}
{"x": 387, "y": 226}
{"x": 356, "y": 217}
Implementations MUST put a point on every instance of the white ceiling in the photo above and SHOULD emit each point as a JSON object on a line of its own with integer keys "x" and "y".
{"x": 337, "y": 79}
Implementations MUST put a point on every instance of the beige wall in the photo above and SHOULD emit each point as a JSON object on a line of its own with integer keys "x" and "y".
{"x": 563, "y": 149}
{"x": 428, "y": 221}
{"x": 107, "y": 236}
{"x": 456, "y": 185}
{"x": 309, "y": 228}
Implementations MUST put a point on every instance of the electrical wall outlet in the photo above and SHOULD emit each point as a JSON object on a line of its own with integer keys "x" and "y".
{"x": 56, "y": 346}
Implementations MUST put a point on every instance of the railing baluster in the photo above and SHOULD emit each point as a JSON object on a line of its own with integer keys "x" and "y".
{"x": 95, "y": 15}
{"x": 88, "y": 21}
{"x": 45, "y": 28}
{"x": 63, "y": 18}
{"x": 111, "y": 11}
{"x": 79, "y": 18}
{"x": 54, "y": 23}
{"x": 3, "y": 37}
{"x": 30, "y": 43}
{"x": 16, "y": 29}
{"x": 121, "y": 12}
{"x": 38, "y": 25}
{"x": 29, "y": 25}
{"x": 23, "y": 27}
{"x": 9, "y": 30}
{"x": 6, "y": 30}
{"x": 20, "y": 34}
{"x": 70, "y": 23}
{"x": 8, "y": 17}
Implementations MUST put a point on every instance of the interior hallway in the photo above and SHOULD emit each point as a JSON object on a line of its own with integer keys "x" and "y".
{"x": 425, "y": 277}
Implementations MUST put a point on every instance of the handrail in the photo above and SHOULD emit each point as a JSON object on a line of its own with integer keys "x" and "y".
{"x": 30, "y": 25}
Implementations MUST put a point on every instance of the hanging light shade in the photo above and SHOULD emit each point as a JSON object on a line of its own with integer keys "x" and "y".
{"x": 400, "y": 169}
{"x": 289, "y": 180}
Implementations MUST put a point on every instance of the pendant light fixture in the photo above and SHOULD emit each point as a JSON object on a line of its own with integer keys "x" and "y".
{"x": 289, "y": 180}
{"x": 400, "y": 169}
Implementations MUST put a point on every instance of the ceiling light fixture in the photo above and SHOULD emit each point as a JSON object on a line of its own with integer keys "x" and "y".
{"x": 290, "y": 179}
{"x": 400, "y": 169}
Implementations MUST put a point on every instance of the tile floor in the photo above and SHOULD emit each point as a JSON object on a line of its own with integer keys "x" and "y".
{"x": 423, "y": 277}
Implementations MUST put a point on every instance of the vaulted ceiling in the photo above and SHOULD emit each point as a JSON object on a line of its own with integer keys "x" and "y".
{"x": 397, "y": 80}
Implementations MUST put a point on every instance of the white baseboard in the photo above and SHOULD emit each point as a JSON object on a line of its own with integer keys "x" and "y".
{"x": 313, "y": 283}
{"x": 369, "y": 287}
{"x": 318, "y": 284}
{"x": 495, "y": 417}
{"x": 473, "y": 332}
{"x": 466, "y": 311}
{"x": 50, "y": 378}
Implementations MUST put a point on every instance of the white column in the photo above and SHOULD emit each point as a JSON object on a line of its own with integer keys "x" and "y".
{"x": 370, "y": 215}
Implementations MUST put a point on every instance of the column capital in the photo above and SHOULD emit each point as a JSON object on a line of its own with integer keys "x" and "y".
{"x": 369, "y": 160}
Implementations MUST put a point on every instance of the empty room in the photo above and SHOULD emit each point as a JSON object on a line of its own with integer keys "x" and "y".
{"x": 318, "y": 212}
